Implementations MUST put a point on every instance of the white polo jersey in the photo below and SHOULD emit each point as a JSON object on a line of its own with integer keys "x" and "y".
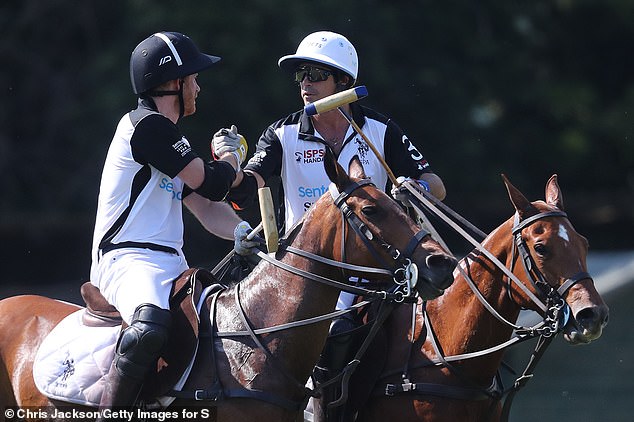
{"x": 140, "y": 197}
{"x": 293, "y": 150}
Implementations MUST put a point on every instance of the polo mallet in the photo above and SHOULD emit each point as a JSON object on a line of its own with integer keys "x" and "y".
{"x": 349, "y": 96}
{"x": 342, "y": 98}
{"x": 269, "y": 224}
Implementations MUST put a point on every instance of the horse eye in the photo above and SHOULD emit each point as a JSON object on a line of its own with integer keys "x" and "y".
{"x": 540, "y": 249}
{"x": 368, "y": 210}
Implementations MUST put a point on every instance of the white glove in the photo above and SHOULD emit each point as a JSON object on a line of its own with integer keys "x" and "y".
{"x": 399, "y": 193}
{"x": 229, "y": 141}
{"x": 241, "y": 244}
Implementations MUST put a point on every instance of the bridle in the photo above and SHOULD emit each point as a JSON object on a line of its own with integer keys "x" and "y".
{"x": 554, "y": 319}
{"x": 401, "y": 268}
{"x": 404, "y": 264}
{"x": 366, "y": 234}
{"x": 555, "y": 310}
{"x": 536, "y": 277}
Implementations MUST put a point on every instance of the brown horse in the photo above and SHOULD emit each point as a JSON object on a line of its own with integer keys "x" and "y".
{"x": 446, "y": 368}
{"x": 264, "y": 335}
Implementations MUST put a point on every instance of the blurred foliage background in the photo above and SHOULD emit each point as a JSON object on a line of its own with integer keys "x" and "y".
{"x": 482, "y": 87}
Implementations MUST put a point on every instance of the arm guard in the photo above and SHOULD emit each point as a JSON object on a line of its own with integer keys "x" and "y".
{"x": 243, "y": 195}
{"x": 219, "y": 175}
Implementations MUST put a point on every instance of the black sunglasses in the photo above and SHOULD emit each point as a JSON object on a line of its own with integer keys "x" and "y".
{"x": 314, "y": 74}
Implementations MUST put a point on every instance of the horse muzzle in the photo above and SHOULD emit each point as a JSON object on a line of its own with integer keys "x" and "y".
{"x": 436, "y": 275}
{"x": 586, "y": 325}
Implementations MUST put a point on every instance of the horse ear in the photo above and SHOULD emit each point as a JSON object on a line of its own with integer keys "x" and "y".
{"x": 335, "y": 172}
{"x": 522, "y": 205}
{"x": 355, "y": 169}
{"x": 554, "y": 196}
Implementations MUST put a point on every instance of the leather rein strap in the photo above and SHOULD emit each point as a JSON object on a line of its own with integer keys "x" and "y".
{"x": 366, "y": 235}
{"x": 539, "y": 281}
{"x": 495, "y": 390}
{"x": 216, "y": 392}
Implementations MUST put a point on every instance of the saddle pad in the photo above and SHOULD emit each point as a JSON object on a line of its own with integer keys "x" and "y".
{"x": 73, "y": 360}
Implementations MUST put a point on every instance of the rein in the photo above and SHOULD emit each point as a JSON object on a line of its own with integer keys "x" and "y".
{"x": 422, "y": 197}
{"x": 405, "y": 267}
{"x": 402, "y": 290}
{"x": 555, "y": 313}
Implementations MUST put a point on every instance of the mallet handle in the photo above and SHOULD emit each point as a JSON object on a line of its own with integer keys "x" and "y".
{"x": 267, "y": 212}
{"x": 336, "y": 100}
{"x": 356, "y": 127}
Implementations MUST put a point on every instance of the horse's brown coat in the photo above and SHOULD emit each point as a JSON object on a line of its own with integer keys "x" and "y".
{"x": 269, "y": 296}
{"x": 463, "y": 325}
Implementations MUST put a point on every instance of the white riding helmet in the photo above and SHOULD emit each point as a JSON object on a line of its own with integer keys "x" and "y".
{"x": 324, "y": 47}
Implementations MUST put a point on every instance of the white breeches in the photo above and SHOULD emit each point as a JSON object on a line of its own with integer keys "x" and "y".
{"x": 130, "y": 277}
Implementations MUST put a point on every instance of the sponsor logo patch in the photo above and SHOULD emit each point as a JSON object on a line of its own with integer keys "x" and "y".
{"x": 182, "y": 146}
{"x": 311, "y": 191}
{"x": 167, "y": 185}
{"x": 310, "y": 156}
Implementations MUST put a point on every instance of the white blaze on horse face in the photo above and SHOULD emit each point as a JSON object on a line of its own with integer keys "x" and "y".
{"x": 563, "y": 233}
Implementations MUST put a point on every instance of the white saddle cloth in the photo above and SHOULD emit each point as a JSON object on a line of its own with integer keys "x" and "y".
{"x": 73, "y": 360}
{"x": 72, "y": 363}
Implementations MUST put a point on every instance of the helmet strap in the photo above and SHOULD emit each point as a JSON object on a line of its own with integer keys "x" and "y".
{"x": 161, "y": 93}
{"x": 179, "y": 93}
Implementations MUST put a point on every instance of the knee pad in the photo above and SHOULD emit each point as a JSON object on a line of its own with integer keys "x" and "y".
{"x": 141, "y": 343}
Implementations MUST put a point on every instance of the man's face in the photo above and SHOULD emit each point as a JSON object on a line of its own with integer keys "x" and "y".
{"x": 315, "y": 82}
{"x": 190, "y": 92}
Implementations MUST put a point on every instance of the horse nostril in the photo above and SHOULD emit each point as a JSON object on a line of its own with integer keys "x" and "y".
{"x": 592, "y": 317}
{"x": 441, "y": 262}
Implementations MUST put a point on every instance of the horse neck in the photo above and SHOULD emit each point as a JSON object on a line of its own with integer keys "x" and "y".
{"x": 271, "y": 296}
{"x": 298, "y": 297}
{"x": 461, "y": 322}
{"x": 320, "y": 298}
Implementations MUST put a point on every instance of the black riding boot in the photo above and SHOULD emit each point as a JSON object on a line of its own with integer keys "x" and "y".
{"x": 338, "y": 351}
{"x": 137, "y": 351}
{"x": 120, "y": 391}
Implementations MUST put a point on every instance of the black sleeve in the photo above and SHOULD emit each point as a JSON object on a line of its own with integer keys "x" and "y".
{"x": 219, "y": 176}
{"x": 158, "y": 142}
{"x": 243, "y": 195}
{"x": 401, "y": 155}
{"x": 267, "y": 160}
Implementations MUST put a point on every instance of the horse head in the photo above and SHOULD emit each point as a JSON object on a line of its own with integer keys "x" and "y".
{"x": 376, "y": 223}
{"x": 554, "y": 256}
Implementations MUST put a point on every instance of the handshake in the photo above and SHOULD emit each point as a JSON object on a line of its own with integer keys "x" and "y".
{"x": 229, "y": 141}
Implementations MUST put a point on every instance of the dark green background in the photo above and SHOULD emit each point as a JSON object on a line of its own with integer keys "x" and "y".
{"x": 526, "y": 88}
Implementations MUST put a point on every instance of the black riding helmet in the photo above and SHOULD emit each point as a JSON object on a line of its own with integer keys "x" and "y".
{"x": 163, "y": 57}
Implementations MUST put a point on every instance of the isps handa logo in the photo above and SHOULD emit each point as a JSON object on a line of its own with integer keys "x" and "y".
{"x": 309, "y": 156}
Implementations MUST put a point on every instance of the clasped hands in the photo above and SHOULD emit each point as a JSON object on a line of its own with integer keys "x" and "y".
{"x": 229, "y": 141}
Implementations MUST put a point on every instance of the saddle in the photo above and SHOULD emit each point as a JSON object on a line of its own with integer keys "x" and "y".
{"x": 183, "y": 340}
